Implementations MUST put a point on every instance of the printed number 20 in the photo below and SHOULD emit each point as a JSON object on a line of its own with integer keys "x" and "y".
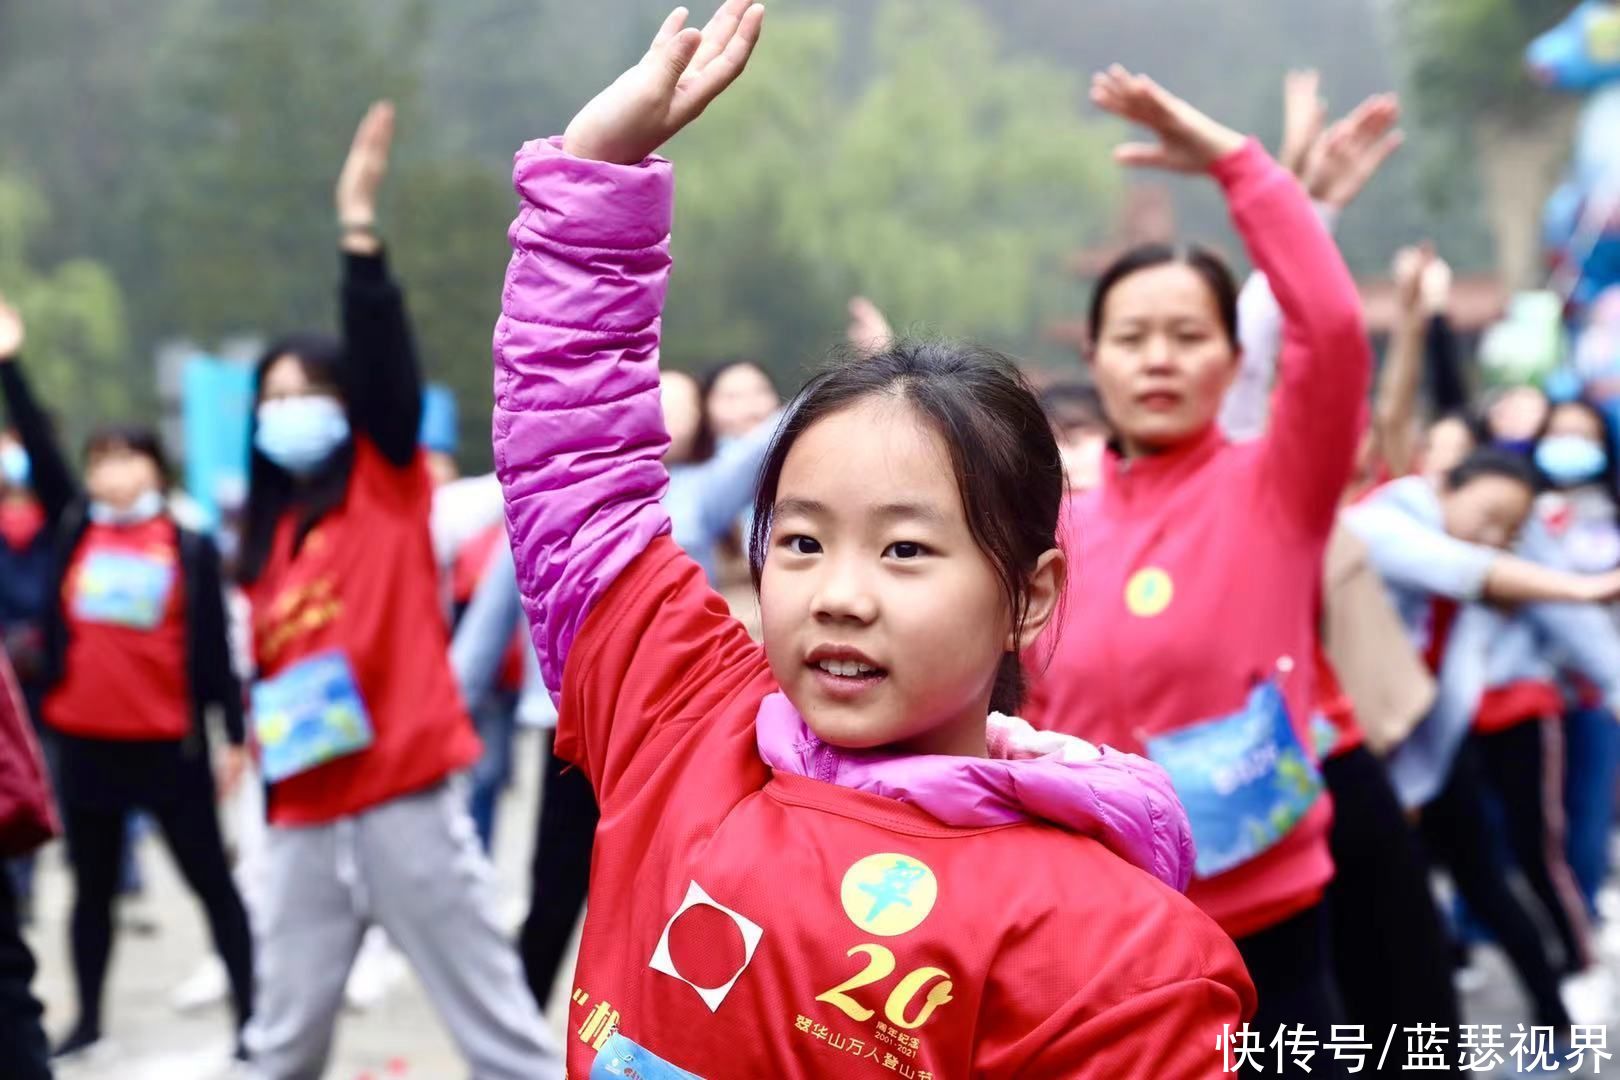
{"x": 879, "y": 966}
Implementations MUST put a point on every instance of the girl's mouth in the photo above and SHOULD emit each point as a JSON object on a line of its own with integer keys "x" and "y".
{"x": 846, "y": 680}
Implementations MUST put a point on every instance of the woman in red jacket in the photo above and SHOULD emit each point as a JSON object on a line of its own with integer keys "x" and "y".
{"x": 1189, "y": 629}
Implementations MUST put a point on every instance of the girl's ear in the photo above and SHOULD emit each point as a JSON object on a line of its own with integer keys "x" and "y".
{"x": 1044, "y": 589}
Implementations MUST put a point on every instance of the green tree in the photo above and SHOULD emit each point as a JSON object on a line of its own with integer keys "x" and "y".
{"x": 245, "y": 137}
{"x": 74, "y": 312}
{"x": 1474, "y": 99}
{"x": 447, "y": 228}
{"x": 950, "y": 200}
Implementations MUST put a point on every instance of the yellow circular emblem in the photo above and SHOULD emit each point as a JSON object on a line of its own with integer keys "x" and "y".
{"x": 888, "y": 894}
{"x": 1149, "y": 592}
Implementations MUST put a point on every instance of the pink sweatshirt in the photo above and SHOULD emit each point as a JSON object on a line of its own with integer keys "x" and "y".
{"x": 1194, "y": 572}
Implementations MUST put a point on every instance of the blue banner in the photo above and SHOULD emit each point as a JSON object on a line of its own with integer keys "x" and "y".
{"x": 216, "y": 401}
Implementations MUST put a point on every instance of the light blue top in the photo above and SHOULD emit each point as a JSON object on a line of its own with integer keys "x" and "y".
{"x": 708, "y": 499}
{"x": 1404, "y": 529}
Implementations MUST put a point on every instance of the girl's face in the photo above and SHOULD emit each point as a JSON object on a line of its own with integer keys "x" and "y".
{"x": 883, "y": 620}
{"x": 1162, "y": 359}
{"x": 740, "y": 400}
{"x": 1488, "y": 510}
{"x": 118, "y": 475}
{"x": 678, "y": 393}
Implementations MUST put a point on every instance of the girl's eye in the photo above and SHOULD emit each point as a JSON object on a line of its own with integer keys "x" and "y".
{"x": 802, "y": 545}
{"x": 906, "y": 549}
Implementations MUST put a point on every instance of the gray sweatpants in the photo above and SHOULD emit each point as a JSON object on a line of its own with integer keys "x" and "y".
{"x": 414, "y": 867}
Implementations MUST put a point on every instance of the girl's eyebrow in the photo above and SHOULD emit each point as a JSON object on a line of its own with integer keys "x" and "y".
{"x": 801, "y": 507}
{"x": 895, "y": 511}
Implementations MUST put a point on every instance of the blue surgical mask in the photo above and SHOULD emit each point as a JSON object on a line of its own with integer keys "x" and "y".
{"x": 299, "y": 433}
{"x": 1569, "y": 460}
{"x": 14, "y": 468}
{"x": 146, "y": 506}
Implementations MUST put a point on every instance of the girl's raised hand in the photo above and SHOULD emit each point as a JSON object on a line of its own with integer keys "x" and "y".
{"x": 1189, "y": 141}
{"x": 1304, "y": 115}
{"x": 683, "y": 70}
{"x": 365, "y": 167}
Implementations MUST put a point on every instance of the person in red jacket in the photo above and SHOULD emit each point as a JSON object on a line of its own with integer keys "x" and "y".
{"x": 356, "y": 714}
{"x": 136, "y": 656}
{"x": 1190, "y": 626}
{"x": 830, "y": 853}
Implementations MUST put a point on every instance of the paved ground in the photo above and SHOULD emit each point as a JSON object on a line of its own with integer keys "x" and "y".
{"x": 399, "y": 1039}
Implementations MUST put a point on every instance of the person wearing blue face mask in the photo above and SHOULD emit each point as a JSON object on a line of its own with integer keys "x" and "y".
{"x": 357, "y": 716}
{"x": 1580, "y": 514}
{"x": 136, "y": 654}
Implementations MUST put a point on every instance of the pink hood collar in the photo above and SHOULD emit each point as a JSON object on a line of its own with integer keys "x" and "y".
{"x": 1121, "y": 800}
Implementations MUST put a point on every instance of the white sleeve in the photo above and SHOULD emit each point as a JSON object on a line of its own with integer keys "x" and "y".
{"x": 463, "y": 509}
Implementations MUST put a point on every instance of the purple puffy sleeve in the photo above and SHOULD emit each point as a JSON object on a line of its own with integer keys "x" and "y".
{"x": 578, "y": 429}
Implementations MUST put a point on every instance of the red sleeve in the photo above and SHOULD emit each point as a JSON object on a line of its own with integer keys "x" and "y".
{"x": 1168, "y": 1032}
{"x": 659, "y": 651}
{"x": 1134, "y": 980}
{"x": 1318, "y": 407}
{"x": 397, "y": 486}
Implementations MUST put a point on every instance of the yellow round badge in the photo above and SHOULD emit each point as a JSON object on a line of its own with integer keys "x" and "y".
{"x": 1149, "y": 592}
{"x": 888, "y": 894}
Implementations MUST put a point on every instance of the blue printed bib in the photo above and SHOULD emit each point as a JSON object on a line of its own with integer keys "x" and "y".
{"x": 619, "y": 1057}
{"x": 124, "y": 588}
{"x": 1244, "y": 779}
{"x": 308, "y": 715}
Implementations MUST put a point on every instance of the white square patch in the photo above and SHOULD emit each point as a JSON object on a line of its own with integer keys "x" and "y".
{"x": 751, "y": 933}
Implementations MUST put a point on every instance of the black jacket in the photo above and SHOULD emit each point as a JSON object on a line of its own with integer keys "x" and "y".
{"x": 211, "y": 675}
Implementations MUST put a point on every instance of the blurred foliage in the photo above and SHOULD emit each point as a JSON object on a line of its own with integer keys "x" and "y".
{"x": 937, "y": 155}
{"x": 1463, "y": 61}
{"x": 74, "y": 313}
{"x": 1466, "y": 57}
{"x": 948, "y": 200}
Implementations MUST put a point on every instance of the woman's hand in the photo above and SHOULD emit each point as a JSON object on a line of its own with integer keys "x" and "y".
{"x": 362, "y": 176}
{"x": 868, "y": 329}
{"x": 683, "y": 70}
{"x": 1436, "y": 286}
{"x": 1304, "y": 114}
{"x": 11, "y": 332}
{"x": 1351, "y": 152}
{"x": 1189, "y": 141}
{"x": 1410, "y": 268}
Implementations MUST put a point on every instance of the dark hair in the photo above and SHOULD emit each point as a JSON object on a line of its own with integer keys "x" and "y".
{"x": 1006, "y": 462}
{"x": 133, "y": 438}
{"x": 1204, "y": 262}
{"x": 1493, "y": 461}
{"x": 1611, "y": 471}
{"x": 271, "y": 489}
{"x": 706, "y": 441}
{"x": 1069, "y": 402}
